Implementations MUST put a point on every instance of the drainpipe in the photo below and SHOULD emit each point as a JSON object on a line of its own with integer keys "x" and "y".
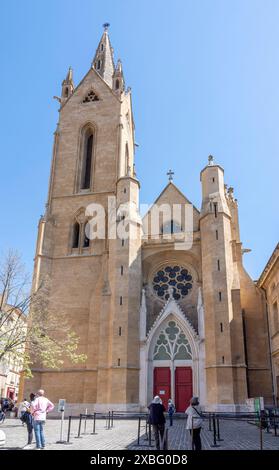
{"x": 245, "y": 352}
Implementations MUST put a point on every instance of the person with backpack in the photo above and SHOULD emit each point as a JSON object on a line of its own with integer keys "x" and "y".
{"x": 27, "y": 419}
{"x": 171, "y": 410}
{"x": 22, "y": 408}
{"x": 194, "y": 422}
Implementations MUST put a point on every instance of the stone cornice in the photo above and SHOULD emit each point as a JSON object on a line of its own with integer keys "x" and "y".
{"x": 48, "y": 371}
{"x": 212, "y": 214}
{"x": 75, "y": 195}
{"x": 269, "y": 266}
{"x": 211, "y": 166}
{"x": 131, "y": 178}
{"x": 79, "y": 255}
{"x": 217, "y": 366}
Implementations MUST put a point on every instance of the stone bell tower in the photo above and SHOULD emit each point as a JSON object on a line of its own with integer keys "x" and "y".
{"x": 224, "y": 343}
{"x": 96, "y": 282}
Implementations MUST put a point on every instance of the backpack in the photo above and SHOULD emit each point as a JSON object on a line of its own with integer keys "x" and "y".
{"x": 25, "y": 417}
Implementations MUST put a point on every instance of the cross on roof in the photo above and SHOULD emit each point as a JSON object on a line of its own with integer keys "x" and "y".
{"x": 170, "y": 174}
{"x": 106, "y": 26}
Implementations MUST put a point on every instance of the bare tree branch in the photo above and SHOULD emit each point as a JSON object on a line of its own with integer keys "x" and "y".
{"x": 29, "y": 331}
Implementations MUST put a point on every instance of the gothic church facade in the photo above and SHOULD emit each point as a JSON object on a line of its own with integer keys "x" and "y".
{"x": 152, "y": 319}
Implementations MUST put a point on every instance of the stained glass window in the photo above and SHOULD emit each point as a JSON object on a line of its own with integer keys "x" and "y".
{"x": 171, "y": 227}
{"x": 172, "y": 344}
{"x": 87, "y": 160}
{"x": 176, "y": 277}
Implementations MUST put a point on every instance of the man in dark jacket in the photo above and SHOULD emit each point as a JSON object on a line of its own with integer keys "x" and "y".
{"x": 157, "y": 419}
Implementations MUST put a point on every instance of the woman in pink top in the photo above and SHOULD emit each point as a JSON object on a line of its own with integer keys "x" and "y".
{"x": 39, "y": 409}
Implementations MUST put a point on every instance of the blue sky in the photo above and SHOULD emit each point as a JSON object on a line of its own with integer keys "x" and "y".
{"x": 205, "y": 80}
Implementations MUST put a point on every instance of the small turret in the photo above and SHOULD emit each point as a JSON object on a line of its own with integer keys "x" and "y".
{"x": 118, "y": 78}
{"x": 233, "y": 207}
{"x": 67, "y": 86}
{"x": 213, "y": 190}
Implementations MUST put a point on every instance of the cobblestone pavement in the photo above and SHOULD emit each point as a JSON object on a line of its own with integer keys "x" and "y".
{"x": 235, "y": 435}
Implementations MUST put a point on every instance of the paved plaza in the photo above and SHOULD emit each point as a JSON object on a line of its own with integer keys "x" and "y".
{"x": 123, "y": 435}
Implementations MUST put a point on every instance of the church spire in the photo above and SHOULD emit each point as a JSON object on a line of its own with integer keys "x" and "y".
{"x": 103, "y": 60}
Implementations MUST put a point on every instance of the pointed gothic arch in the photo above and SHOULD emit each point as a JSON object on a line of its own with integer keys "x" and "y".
{"x": 173, "y": 312}
{"x": 75, "y": 234}
{"x": 170, "y": 313}
{"x": 78, "y": 238}
{"x": 86, "y": 158}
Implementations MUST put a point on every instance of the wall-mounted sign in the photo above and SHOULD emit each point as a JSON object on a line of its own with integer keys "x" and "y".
{"x": 61, "y": 405}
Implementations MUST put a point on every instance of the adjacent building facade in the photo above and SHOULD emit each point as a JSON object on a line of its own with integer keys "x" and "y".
{"x": 11, "y": 377}
{"x": 154, "y": 316}
{"x": 269, "y": 283}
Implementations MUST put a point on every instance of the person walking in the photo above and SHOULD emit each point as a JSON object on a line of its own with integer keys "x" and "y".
{"x": 27, "y": 419}
{"x": 171, "y": 410}
{"x": 5, "y": 405}
{"x": 39, "y": 409}
{"x": 157, "y": 419}
{"x": 194, "y": 422}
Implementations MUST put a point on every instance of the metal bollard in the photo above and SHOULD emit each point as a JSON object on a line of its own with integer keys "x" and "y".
{"x": 139, "y": 422}
{"x": 275, "y": 429}
{"x": 261, "y": 436}
{"x": 276, "y": 425}
{"x": 79, "y": 427}
{"x": 112, "y": 418}
{"x": 146, "y": 429}
{"x": 163, "y": 440}
{"x": 209, "y": 423}
{"x": 85, "y": 422}
{"x": 218, "y": 430}
{"x": 94, "y": 424}
{"x": 166, "y": 446}
{"x": 69, "y": 430}
{"x": 108, "y": 421}
{"x": 149, "y": 434}
{"x": 214, "y": 433}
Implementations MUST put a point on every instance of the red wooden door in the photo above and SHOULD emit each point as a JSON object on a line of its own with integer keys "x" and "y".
{"x": 162, "y": 384}
{"x": 11, "y": 393}
{"x": 183, "y": 387}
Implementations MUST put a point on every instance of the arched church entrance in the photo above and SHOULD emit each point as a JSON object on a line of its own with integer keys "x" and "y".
{"x": 171, "y": 363}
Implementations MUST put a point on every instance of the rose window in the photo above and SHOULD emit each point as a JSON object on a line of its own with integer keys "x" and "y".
{"x": 175, "y": 277}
